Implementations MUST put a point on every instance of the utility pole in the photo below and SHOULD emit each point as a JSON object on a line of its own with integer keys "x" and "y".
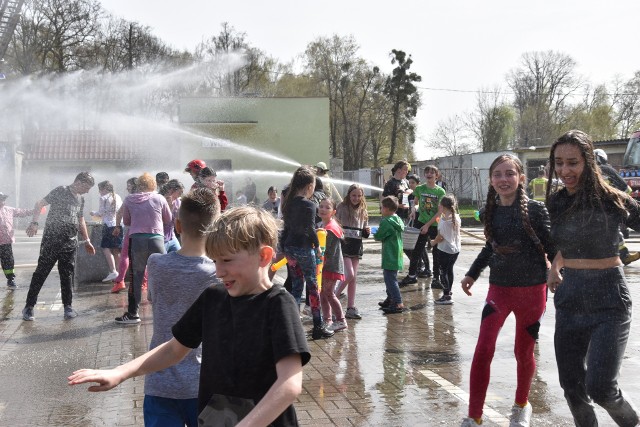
{"x": 9, "y": 15}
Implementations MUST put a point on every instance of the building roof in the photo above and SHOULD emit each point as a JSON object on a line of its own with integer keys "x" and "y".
{"x": 92, "y": 145}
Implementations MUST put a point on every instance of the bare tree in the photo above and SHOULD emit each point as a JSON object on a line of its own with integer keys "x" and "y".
{"x": 451, "y": 137}
{"x": 492, "y": 122}
{"x": 542, "y": 85}
{"x": 626, "y": 102}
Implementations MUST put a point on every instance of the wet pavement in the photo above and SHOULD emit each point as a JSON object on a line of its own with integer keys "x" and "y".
{"x": 408, "y": 369}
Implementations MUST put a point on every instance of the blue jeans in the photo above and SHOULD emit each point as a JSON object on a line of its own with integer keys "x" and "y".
{"x": 172, "y": 245}
{"x": 593, "y": 318}
{"x": 303, "y": 265}
{"x": 393, "y": 290}
{"x": 165, "y": 412}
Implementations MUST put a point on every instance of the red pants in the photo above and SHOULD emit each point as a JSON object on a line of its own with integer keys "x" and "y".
{"x": 528, "y": 305}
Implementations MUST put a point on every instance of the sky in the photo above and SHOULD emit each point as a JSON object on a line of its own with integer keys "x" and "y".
{"x": 458, "y": 47}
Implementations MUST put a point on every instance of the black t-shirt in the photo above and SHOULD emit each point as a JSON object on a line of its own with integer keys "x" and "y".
{"x": 397, "y": 187}
{"x": 66, "y": 209}
{"x": 242, "y": 340}
{"x": 299, "y": 223}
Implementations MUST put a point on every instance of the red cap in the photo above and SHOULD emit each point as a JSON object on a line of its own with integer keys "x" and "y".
{"x": 195, "y": 165}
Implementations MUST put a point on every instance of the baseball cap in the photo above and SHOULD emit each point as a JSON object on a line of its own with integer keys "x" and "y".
{"x": 322, "y": 166}
{"x": 3, "y": 196}
{"x": 195, "y": 165}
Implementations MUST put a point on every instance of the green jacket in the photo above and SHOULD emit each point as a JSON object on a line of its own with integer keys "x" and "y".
{"x": 390, "y": 234}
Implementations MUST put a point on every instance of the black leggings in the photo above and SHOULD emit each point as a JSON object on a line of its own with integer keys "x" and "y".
{"x": 446, "y": 261}
{"x": 418, "y": 249}
{"x": 6, "y": 260}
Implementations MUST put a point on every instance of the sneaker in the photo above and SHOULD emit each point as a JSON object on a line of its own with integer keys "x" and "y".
{"x": 27, "y": 313}
{"x": 469, "y": 422}
{"x": 520, "y": 417}
{"x": 424, "y": 274}
{"x": 444, "y": 300}
{"x": 69, "y": 313}
{"x": 110, "y": 277}
{"x": 395, "y": 310}
{"x": 633, "y": 256}
{"x": 352, "y": 313}
{"x": 339, "y": 326}
{"x": 408, "y": 280}
{"x": 11, "y": 283}
{"x": 321, "y": 332}
{"x": 384, "y": 303}
{"x": 435, "y": 284}
{"x": 118, "y": 286}
{"x": 128, "y": 319}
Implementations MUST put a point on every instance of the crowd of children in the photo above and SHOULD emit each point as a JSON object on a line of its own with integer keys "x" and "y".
{"x": 217, "y": 274}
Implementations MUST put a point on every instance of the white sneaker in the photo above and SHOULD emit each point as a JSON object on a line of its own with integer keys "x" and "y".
{"x": 469, "y": 422}
{"x": 339, "y": 326}
{"x": 110, "y": 277}
{"x": 520, "y": 417}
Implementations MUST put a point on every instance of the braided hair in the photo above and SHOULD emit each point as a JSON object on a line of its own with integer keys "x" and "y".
{"x": 522, "y": 201}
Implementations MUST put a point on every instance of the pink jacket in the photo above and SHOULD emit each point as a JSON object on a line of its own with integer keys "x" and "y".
{"x": 146, "y": 213}
{"x": 7, "y": 213}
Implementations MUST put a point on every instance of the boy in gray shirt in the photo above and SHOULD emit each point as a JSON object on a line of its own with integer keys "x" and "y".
{"x": 176, "y": 280}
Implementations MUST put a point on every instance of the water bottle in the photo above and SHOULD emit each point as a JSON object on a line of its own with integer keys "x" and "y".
{"x": 405, "y": 199}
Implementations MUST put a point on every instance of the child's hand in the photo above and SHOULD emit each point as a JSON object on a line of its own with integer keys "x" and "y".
{"x": 467, "y": 282}
{"x": 106, "y": 379}
{"x": 554, "y": 280}
{"x": 424, "y": 229}
{"x": 32, "y": 229}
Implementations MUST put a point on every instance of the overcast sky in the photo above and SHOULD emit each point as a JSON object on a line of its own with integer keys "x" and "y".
{"x": 456, "y": 46}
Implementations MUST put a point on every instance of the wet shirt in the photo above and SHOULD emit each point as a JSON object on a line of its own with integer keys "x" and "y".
{"x": 299, "y": 224}
{"x": 428, "y": 199}
{"x": 513, "y": 257}
{"x": 242, "y": 340}
{"x": 7, "y": 213}
{"x": 64, "y": 216}
{"x": 589, "y": 233}
{"x": 397, "y": 187}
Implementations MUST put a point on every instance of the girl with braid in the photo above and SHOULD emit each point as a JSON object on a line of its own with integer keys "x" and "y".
{"x": 593, "y": 304}
{"x": 517, "y": 233}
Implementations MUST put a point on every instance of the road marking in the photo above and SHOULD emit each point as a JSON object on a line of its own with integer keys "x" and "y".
{"x": 489, "y": 413}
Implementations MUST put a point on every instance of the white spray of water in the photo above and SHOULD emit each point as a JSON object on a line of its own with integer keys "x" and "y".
{"x": 347, "y": 183}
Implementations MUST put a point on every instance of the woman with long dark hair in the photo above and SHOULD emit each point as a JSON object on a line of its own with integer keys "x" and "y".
{"x": 593, "y": 305}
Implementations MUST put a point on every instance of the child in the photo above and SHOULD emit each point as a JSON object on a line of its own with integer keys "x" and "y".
{"x": 333, "y": 268}
{"x": 517, "y": 232}
{"x": 352, "y": 214}
{"x": 172, "y": 191}
{"x": 208, "y": 177}
{"x": 118, "y": 282}
{"x": 300, "y": 243}
{"x": 253, "y": 345}
{"x": 272, "y": 204}
{"x": 423, "y": 272}
{"x": 427, "y": 198}
{"x": 390, "y": 234}
{"x": 111, "y": 245}
{"x": 7, "y": 213}
{"x": 175, "y": 281}
{"x": 447, "y": 244}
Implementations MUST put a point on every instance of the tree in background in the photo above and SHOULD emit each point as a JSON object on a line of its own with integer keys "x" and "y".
{"x": 626, "y": 103}
{"x": 451, "y": 137}
{"x": 542, "y": 86}
{"x": 404, "y": 97}
{"x": 493, "y": 121}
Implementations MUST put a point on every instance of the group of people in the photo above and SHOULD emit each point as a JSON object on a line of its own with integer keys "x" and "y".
{"x": 252, "y": 372}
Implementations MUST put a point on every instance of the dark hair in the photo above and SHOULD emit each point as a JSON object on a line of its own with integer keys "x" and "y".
{"x": 133, "y": 182}
{"x": 162, "y": 178}
{"x": 592, "y": 188}
{"x": 302, "y": 177}
{"x": 319, "y": 186}
{"x": 399, "y": 165}
{"x": 85, "y": 178}
{"x": 272, "y": 188}
{"x": 414, "y": 177}
{"x": 390, "y": 202}
{"x": 171, "y": 185}
{"x": 431, "y": 168}
{"x": 199, "y": 208}
{"x": 207, "y": 172}
{"x": 522, "y": 201}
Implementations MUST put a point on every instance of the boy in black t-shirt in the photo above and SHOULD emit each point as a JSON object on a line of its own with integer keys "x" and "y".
{"x": 253, "y": 344}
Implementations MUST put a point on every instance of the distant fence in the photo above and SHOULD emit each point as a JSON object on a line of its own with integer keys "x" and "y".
{"x": 469, "y": 185}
